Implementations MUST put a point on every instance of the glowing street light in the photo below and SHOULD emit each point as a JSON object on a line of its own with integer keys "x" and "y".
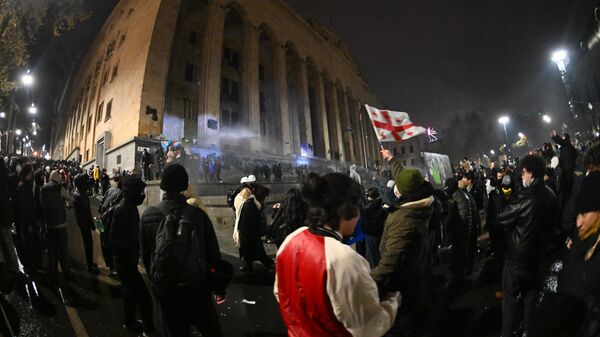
{"x": 34, "y": 133}
{"x": 504, "y": 120}
{"x": 2, "y": 114}
{"x": 33, "y": 109}
{"x": 492, "y": 152}
{"x": 27, "y": 79}
{"x": 18, "y": 132}
{"x": 561, "y": 58}
{"x": 547, "y": 119}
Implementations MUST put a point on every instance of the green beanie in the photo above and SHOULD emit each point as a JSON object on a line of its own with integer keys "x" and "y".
{"x": 409, "y": 181}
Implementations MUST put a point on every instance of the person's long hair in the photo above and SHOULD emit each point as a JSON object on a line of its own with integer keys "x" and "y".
{"x": 293, "y": 209}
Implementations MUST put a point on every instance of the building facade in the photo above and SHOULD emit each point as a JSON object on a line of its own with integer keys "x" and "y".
{"x": 250, "y": 77}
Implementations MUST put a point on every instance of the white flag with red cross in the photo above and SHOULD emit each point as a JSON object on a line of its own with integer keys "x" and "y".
{"x": 392, "y": 126}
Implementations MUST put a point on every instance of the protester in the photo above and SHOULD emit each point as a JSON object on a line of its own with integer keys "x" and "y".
{"x": 405, "y": 263}
{"x": 375, "y": 217}
{"x": 28, "y": 230}
{"x": 111, "y": 198}
{"x": 289, "y": 215}
{"x": 524, "y": 220}
{"x": 96, "y": 177}
{"x": 124, "y": 241}
{"x": 146, "y": 161}
{"x": 249, "y": 226}
{"x": 53, "y": 197}
{"x": 180, "y": 287}
{"x": 333, "y": 295}
{"x": 83, "y": 214}
{"x": 566, "y": 160}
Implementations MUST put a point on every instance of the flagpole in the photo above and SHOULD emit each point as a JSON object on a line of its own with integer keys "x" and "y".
{"x": 374, "y": 129}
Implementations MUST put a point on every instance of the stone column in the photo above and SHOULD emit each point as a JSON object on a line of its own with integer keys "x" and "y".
{"x": 281, "y": 92}
{"x": 305, "y": 111}
{"x": 349, "y": 119}
{"x": 337, "y": 120}
{"x": 251, "y": 83}
{"x": 322, "y": 109}
{"x": 210, "y": 72}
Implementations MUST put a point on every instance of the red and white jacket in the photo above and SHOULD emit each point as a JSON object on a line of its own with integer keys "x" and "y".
{"x": 324, "y": 288}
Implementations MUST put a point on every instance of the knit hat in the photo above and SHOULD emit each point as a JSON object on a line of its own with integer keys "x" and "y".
{"x": 174, "y": 178}
{"x": 409, "y": 181}
{"x": 588, "y": 199}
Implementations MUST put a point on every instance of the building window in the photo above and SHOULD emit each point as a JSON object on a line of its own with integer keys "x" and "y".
{"x": 108, "y": 110}
{"x": 403, "y": 150}
{"x": 130, "y": 12}
{"x": 261, "y": 72}
{"x": 193, "y": 37}
{"x": 118, "y": 159}
{"x": 89, "y": 123}
{"x": 412, "y": 150}
{"x": 99, "y": 112}
{"x": 232, "y": 58}
{"x": 262, "y": 102}
{"x": 230, "y": 90}
{"x": 190, "y": 109}
{"x": 394, "y": 151}
{"x": 105, "y": 76}
{"x": 87, "y": 155}
{"x": 122, "y": 39}
{"x": 190, "y": 71}
{"x": 115, "y": 71}
{"x": 412, "y": 162}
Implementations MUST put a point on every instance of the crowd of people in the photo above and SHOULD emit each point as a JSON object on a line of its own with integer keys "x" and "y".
{"x": 350, "y": 261}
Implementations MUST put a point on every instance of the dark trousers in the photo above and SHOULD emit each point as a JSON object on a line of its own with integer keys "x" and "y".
{"x": 519, "y": 288}
{"x": 253, "y": 250}
{"x": 471, "y": 251}
{"x": 57, "y": 250}
{"x": 30, "y": 246}
{"x": 372, "y": 246}
{"x": 135, "y": 294}
{"x": 179, "y": 314}
{"x": 106, "y": 251}
{"x": 459, "y": 255}
{"x": 88, "y": 243}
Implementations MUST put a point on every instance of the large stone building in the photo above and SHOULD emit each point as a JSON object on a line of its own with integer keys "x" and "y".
{"x": 242, "y": 76}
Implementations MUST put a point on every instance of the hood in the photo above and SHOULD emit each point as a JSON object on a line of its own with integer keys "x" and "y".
{"x": 426, "y": 202}
{"x": 56, "y": 177}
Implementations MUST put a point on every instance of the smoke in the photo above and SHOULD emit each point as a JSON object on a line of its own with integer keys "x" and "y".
{"x": 236, "y": 134}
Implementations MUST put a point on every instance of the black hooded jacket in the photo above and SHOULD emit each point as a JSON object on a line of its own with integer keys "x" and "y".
{"x": 81, "y": 202}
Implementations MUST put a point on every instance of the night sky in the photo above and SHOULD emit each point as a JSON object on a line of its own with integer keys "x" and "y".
{"x": 434, "y": 58}
{"x": 430, "y": 58}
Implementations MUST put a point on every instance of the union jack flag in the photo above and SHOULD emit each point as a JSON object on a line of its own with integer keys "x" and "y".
{"x": 393, "y": 126}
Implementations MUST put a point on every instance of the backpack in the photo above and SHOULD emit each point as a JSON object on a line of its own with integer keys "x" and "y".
{"x": 178, "y": 258}
{"x": 231, "y": 194}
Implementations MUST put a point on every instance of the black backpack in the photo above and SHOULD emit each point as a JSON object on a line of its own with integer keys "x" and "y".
{"x": 178, "y": 258}
{"x": 231, "y": 194}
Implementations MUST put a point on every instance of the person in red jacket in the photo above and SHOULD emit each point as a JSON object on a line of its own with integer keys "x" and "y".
{"x": 323, "y": 286}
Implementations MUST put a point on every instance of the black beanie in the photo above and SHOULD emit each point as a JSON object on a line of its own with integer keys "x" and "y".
{"x": 132, "y": 185}
{"x": 174, "y": 179}
{"x": 588, "y": 199}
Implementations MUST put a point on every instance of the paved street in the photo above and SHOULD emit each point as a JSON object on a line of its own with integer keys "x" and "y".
{"x": 91, "y": 305}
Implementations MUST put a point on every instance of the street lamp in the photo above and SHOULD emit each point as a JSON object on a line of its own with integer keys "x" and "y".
{"x": 33, "y": 109}
{"x": 492, "y": 152}
{"x": 561, "y": 58}
{"x": 2, "y": 114}
{"x": 18, "y": 132}
{"x": 27, "y": 79}
{"x": 504, "y": 120}
{"x": 547, "y": 119}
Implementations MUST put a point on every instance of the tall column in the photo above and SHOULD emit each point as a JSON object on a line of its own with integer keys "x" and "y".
{"x": 279, "y": 52}
{"x": 349, "y": 120}
{"x": 337, "y": 120}
{"x": 320, "y": 88}
{"x": 305, "y": 111}
{"x": 251, "y": 83}
{"x": 210, "y": 72}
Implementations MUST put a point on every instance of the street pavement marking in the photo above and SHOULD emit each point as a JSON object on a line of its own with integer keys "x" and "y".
{"x": 74, "y": 318}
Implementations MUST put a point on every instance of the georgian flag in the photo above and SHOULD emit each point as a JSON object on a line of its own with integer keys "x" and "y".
{"x": 393, "y": 126}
